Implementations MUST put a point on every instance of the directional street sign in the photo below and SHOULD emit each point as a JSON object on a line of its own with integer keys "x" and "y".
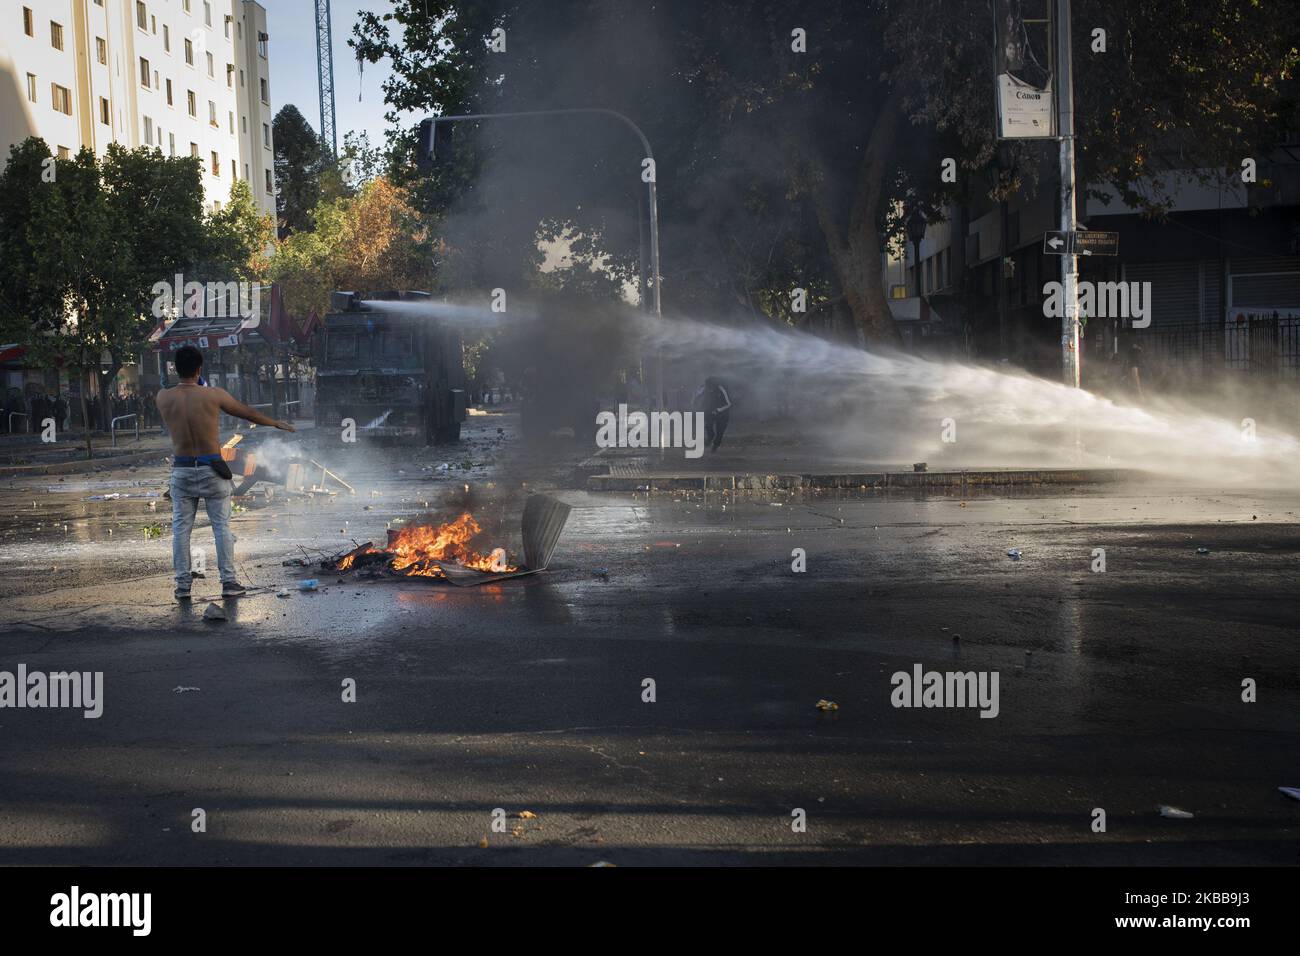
{"x": 1082, "y": 242}
{"x": 1088, "y": 242}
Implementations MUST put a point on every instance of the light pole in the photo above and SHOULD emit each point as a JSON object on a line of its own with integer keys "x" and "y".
{"x": 1065, "y": 131}
{"x": 426, "y": 156}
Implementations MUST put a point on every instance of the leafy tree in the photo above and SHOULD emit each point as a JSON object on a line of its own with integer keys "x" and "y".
{"x": 88, "y": 244}
{"x": 240, "y": 237}
{"x": 369, "y": 242}
{"x": 780, "y": 169}
{"x": 298, "y": 164}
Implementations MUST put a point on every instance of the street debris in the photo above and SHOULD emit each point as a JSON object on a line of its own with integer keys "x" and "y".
{"x": 310, "y": 584}
{"x": 183, "y": 690}
{"x": 1174, "y": 813}
{"x": 1202, "y": 550}
{"x": 155, "y": 530}
{"x": 282, "y": 593}
{"x": 1014, "y": 554}
{"x": 827, "y": 705}
{"x": 1292, "y": 792}
{"x": 214, "y": 612}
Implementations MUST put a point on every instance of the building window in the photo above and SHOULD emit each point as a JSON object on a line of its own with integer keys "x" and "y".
{"x": 169, "y": 93}
{"x": 189, "y": 52}
{"x": 210, "y": 72}
{"x": 31, "y": 87}
{"x": 243, "y": 127}
{"x": 241, "y": 79}
{"x": 28, "y": 26}
{"x": 212, "y": 113}
{"x": 245, "y": 170}
{"x": 64, "y": 153}
{"x": 167, "y": 38}
{"x": 207, "y": 13}
{"x": 194, "y": 150}
{"x": 266, "y": 96}
{"x": 144, "y": 72}
{"x": 231, "y": 114}
{"x": 228, "y": 18}
{"x": 103, "y": 111}
{"x": 153, "y": 25}
{"x": 171, "y": 143}
{"x": 269, "y": 187}
{"x": 101, "y": 51}
{"x": 216, "y": 165}
{"x": 186, "y": 5}
{"x": 141, "y": 16}
{"x": 193, "y": 103}
{"x": 266, "y": 136}
{"x": 56, "y": 35}
{"x": 148, "y": 131}
{"x": 261, "y": 44}
{"x": 234, "y": 170}
{"x": 230, "y": 75}
{"x": 61, "y": 99}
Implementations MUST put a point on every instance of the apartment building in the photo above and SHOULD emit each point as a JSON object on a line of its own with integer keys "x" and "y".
{"x": 187, "y": 77}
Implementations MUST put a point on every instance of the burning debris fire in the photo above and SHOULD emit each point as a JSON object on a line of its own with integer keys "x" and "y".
{"x": 420, "y": 550}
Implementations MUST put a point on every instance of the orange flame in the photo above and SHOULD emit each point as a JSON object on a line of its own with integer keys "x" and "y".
{"x": 419, "y": 550}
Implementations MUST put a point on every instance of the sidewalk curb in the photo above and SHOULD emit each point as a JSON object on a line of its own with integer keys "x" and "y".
{"x": 872, "y": 480}
{"x": 82, "y": 465}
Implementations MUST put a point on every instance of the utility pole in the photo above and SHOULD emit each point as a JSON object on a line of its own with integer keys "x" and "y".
{"x": 1065, "y": 133}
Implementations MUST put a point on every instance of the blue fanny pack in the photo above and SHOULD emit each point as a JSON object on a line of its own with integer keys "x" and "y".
{"x": 215, "y": 462}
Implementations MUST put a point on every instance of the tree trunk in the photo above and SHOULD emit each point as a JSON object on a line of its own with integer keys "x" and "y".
{"x": 105, "y": 388}
{"x": 855, "y": 249}
{"x": 85, "y": 407}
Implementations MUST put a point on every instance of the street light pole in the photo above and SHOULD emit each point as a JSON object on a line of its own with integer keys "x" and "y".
{"x": 1065, "y": 133}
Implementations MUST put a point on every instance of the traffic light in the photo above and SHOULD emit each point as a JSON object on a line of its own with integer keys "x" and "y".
{"x": 434, "y": 145}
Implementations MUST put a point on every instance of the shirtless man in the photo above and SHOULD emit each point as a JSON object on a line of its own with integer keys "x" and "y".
{"x": 191, "y": 411}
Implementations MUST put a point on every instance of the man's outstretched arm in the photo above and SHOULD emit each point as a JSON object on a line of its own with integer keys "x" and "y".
{"x": 232, "y": 406}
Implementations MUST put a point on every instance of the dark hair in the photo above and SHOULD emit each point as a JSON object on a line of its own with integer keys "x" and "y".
{"x": 188, "y": 361}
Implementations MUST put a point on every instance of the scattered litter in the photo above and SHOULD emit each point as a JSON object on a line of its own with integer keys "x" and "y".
{"x": 1014, "y": 554}
{"x": 599, "y": 863}
{"x": 309, "y": 584}
{"x": 527, "y": 815}
{"x": 182, "y": 690}
{"x": 825, "y": 705}
{"x": 1202, "y": 550}
{"x": 213, "y": 612}
{"x": 1292, "y": 792}
{"x": 1173, "y": 813}
{"x": 282, "y": 593}
{"x": 777, "y": 504}
{"x": 483, "y": 843}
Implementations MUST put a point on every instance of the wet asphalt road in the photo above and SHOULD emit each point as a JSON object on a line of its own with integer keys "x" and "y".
{"x": 1118, "y": 690}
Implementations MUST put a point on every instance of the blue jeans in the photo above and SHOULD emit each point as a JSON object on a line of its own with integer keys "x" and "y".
{"x": 189, "y": 484}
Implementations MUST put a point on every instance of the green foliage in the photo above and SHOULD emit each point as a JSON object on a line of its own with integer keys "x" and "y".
{"x": 779, "y": 169}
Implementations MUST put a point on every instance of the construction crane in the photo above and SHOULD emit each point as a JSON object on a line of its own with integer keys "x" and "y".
{"x": 325, "y": 78}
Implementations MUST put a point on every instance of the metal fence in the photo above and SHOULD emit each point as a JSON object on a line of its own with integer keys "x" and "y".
{"x": 1261, "y": 346}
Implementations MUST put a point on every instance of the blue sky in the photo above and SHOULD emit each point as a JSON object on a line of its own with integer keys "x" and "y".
{"x": 292, "y": 27}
